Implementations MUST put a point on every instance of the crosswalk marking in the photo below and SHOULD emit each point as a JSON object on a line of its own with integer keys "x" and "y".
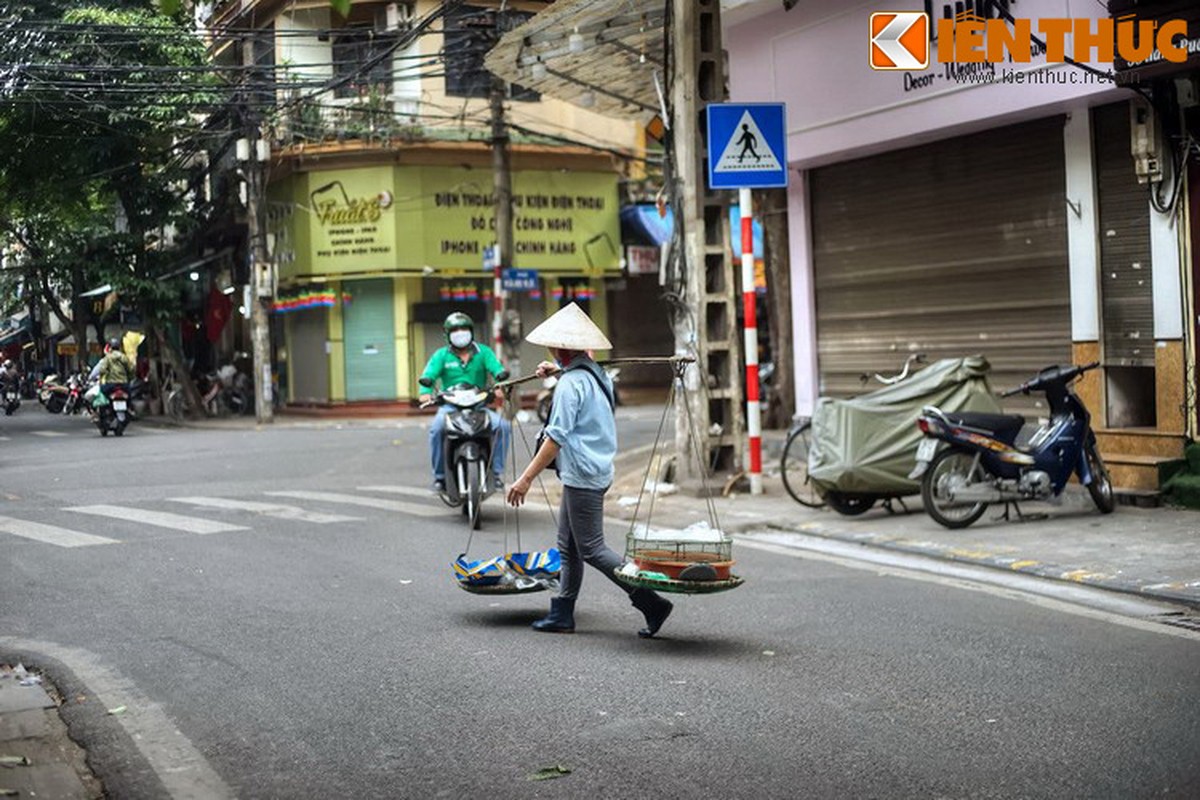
{"x": 161, "y": 519}
{"x": 151, "y": 429}
{"x": 294, "y": 513}
{"x": 48, "y": 433}
{"x": 50, "y": 534}
{"x": 368, "y": 502}
{"x": 411, "y": 491}
{"x": 5, "y": 438}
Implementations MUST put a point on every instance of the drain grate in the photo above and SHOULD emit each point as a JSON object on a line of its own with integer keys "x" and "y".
{"x": 1180, "y": 620}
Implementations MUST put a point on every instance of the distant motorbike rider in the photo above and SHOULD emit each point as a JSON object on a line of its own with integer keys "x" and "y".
{"x": 114, "y": 369}
{"x": 9, "y": 375}
{"x": 463, "y": 360}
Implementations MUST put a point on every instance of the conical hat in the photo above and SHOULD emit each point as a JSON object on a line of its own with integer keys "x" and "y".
{"x": 570, "y": 329}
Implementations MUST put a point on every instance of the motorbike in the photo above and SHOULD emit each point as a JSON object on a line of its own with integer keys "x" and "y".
{"x": 12, "y": 394}
{"x": 52, "y": 393}
{"x": 75, "y": 400}
{"x": 983, "y": 462}
{"x": 545, "y": 398}
{"x": 467, "y": 445}
{"x": 111, "y": 409}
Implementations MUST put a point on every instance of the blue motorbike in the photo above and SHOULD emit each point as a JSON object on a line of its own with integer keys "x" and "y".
{"x": 983, "y": 462}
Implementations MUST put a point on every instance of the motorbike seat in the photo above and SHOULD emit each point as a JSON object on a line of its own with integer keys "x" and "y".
{"x": 1004, "y": 426}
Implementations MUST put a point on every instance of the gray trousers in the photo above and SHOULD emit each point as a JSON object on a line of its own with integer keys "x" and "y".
{"x": 581, "y": 539}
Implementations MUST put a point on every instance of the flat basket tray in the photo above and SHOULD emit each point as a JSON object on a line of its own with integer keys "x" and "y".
{"x": 501, "y": 588}
{"x": 681, "y": 587}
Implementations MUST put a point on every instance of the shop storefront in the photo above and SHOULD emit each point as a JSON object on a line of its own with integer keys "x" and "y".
{"x": 371, "y": 260}
{"x": 969, "y": 208}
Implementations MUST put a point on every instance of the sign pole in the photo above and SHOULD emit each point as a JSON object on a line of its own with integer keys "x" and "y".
{"x": 750, "y": 324}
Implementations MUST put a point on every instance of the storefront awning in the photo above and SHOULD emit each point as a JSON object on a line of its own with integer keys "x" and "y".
{"x": 592, "y": 53}
{"x": 642, "y": 225}
{"x": 15, "y": 327}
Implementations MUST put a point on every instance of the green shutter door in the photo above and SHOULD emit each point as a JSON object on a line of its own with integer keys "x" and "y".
{"x": 368, "y": 330}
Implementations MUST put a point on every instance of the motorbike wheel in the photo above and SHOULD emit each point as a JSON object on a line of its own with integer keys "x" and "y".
{"x": 850, "y": 505}
{"x": 55, "y": 403}
{"x": 947, "y": 465}
{"x": 474, "y": 493}
{"x": 794, "y": 468}
{"x": 1101, "y": 486}
{"x": 119, "y": 430}
{"x": 8, "y": 411}
{"x": 543, "y": 408}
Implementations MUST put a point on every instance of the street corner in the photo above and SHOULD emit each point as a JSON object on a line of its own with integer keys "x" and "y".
{"x": 38, "y": 757}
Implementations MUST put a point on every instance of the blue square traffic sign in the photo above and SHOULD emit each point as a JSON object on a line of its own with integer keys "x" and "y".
{"x": 747, "y": 146}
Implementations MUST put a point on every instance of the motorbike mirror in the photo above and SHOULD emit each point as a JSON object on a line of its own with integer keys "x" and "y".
{"x": 502, "y": 375}
{"x": 426, "y": 382}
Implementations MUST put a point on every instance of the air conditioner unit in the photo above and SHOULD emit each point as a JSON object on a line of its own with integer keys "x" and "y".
{"x": 396, "y": 17}
{"x": 1144, "y": 142}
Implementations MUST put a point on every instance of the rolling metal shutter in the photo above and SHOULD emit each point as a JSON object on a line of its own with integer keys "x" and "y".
{"x": 308, "y": 361}
{"x": 953, "y": 248}
{"x": 1125, "y": 284}
{"x": 370, "y": 339}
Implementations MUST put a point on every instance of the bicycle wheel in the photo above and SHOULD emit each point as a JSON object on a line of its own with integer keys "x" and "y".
{"x": 176, "y": 405}
{"x": 794, "y": 468}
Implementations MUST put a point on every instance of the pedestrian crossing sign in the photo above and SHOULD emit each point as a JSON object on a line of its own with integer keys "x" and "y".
{"x": 747, "y": 146}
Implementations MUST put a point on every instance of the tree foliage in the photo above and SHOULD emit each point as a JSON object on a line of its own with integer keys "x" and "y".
{"x": 97, "y": 138}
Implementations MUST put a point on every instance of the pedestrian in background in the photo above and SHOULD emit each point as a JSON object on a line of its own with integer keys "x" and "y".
{"x": 581, "y": 439}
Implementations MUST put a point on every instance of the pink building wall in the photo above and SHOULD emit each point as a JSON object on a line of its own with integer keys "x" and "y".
{"x": 814, "y": 58}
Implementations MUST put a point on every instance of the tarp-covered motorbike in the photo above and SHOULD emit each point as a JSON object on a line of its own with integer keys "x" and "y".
{"x": 863, "y": 448}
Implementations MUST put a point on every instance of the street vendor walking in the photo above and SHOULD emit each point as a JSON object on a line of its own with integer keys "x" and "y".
{"x": 581, "y": 438}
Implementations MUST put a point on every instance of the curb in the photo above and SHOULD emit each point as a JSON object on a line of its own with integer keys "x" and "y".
{"x": 1187, "y": 593}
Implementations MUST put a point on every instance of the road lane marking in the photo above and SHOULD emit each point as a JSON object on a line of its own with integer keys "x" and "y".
{"x": 161, "y": 519}
{"x": 411, "y": 491}
{"x": 293, "y": 513}
{"x": 368, "y": 502}
{"x": 48, "y": 433}
{"x": 51, "y": 534}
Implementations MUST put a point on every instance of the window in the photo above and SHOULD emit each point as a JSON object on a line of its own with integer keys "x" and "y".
{"x": 470, "y": 32}
{"x": 362, "y": 62}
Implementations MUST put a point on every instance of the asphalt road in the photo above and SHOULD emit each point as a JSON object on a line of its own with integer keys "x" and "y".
{"x": 324, "y": 651}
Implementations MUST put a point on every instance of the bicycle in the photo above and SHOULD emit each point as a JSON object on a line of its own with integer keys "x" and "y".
{"x": 794, "y": 464}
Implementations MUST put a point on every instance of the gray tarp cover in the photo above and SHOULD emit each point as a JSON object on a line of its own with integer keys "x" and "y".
{"x": 868, "y": 444}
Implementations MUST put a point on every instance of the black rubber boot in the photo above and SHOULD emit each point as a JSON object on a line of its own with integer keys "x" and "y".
{"x": 655, "y": 609}
{"x": 561, "y": 618}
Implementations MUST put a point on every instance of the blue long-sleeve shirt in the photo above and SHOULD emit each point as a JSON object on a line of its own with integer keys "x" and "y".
{"x": 582, "y": 425}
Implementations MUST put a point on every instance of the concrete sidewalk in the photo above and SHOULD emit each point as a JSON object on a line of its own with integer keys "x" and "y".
{"x": 1151, "y": 552}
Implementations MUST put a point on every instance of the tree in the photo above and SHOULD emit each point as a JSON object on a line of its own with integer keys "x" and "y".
{"x": 98, "y": 129}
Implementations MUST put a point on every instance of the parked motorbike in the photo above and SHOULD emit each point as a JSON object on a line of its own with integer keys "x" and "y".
{"x": 75, "y": 400}
{"x": 111, "y": 408}
{"x": 467, "y": 446}
{"x": 545, "y": 397}
{"x": 52, "y": 393}
{"x": 984, "y": 463}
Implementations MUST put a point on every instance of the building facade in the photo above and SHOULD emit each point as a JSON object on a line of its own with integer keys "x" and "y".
{"x": 989, "y": 208}
{"x": 380, "y": 206}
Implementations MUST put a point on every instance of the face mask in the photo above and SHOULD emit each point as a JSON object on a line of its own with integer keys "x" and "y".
{"x": 460, "y": 338}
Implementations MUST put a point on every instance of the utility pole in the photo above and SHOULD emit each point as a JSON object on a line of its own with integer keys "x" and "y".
{"x": 709, "y": 404}
{"x": 502, "y": 190}
{"x": 253, "y": 155}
